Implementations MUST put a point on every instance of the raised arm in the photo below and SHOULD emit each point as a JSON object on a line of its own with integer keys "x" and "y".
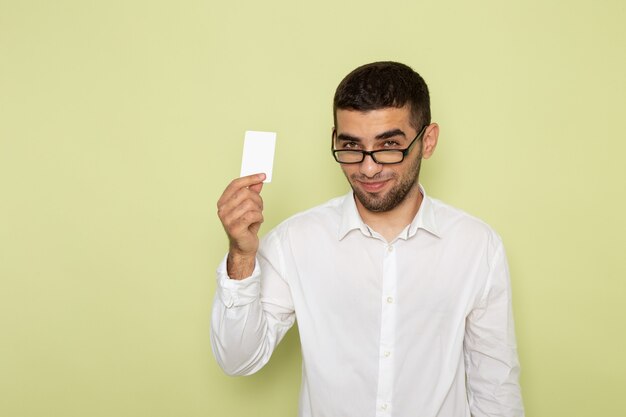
{"x": 252, "y": 309}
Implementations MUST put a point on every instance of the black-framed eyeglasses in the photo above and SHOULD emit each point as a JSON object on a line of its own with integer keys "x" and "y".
{"x": 381, "y": 156}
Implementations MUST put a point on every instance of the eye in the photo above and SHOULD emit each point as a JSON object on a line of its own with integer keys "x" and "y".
{"x": 349, "y": 145}
{"x": 390, "y": 144}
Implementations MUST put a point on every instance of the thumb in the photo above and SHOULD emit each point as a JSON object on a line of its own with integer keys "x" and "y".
{"x": 256, "y": 187}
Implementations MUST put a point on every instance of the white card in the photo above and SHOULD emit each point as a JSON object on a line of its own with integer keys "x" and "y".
{"x": 258, "y": 154}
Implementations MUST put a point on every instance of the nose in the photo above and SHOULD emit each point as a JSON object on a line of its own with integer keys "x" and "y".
{"x": 368, "y": 167}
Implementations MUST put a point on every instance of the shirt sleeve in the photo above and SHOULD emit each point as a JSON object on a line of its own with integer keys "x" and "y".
{"x": 490, "y": 350}
{"x": 251, "y": 316}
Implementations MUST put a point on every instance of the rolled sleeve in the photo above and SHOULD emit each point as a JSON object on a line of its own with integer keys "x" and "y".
{"x": 251, "y": 316}
{"x": 237, "y": 293}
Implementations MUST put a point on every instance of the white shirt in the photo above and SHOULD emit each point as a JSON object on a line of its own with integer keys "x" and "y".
{"x": 387, "y": 328}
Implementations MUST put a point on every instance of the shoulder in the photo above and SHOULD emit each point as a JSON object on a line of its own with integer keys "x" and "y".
{"x": 454, "y": 223}
{"x": 324, "y": 217}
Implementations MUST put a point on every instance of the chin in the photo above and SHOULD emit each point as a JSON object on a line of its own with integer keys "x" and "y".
{"x": 374, "y": 202}
{"x": 387, "y": 199}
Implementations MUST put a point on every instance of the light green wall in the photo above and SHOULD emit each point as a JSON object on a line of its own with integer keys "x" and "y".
{"x": 122, "y": 121}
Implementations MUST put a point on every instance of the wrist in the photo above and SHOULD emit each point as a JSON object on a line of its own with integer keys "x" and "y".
{"x": 240, "y": 265}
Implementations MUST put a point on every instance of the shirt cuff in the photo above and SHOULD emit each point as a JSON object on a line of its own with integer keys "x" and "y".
{"x": 237, "y": 293}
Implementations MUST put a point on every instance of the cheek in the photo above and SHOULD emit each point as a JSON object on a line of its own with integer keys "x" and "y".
{"x": 348, "y": 170}
{"x": 389, "y": 172}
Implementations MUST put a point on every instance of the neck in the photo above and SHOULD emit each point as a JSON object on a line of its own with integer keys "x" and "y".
{"x": 390, "y": 223}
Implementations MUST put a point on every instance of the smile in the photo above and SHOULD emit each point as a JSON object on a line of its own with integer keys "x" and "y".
{"x": 373, "y": 186}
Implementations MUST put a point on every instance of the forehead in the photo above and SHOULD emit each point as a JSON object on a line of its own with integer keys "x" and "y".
{"x": 367, "y": 123}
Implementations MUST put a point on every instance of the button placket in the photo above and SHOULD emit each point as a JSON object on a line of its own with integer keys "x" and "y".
{"x": 387, "y": 332}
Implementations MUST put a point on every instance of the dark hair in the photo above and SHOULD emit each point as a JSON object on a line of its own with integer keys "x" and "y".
{"x": 384, "y": 84}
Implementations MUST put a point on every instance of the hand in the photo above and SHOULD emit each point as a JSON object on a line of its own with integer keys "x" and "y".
{"x": 240, "y": 209}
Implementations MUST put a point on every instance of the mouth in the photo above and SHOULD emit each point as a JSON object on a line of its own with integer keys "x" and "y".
{"x": 372, "y": 186}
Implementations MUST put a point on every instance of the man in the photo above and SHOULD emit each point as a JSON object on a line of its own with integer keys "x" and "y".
{"x": 403, "y": 302}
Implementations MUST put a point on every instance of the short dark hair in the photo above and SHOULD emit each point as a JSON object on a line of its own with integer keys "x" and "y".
{"x": 384, "y": 84}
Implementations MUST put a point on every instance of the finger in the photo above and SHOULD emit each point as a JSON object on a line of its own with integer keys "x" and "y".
{"x": 238, "y": 184}
{"x": 245, "y": 224}
{"x": 234, "y": 215}
{"x": 256, "y": 187}
{"x": 245, "y": 182}
{"x": 244, "y": 198}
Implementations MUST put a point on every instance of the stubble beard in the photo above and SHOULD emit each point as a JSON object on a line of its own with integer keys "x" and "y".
{"x": 382, "y": 203}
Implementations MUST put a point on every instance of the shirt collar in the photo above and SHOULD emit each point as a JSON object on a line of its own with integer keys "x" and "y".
{"x": 424, "y": 219}
{"x": 351, "y": 220}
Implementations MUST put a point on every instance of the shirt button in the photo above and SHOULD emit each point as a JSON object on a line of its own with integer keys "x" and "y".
{"x": 390, "y": 248}
{"x": 389, "y": 300}
{"x": 384, "y": 406}
{"x": 387, "y": 353}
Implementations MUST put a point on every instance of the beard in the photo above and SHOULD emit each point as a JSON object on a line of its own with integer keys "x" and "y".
{"x": 377, "y": 203}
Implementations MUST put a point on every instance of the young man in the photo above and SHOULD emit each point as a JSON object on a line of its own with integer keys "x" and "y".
{"x": 403, "y": 302}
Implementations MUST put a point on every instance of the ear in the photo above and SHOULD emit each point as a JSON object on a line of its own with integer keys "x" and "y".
{"x": 429, "y": 141}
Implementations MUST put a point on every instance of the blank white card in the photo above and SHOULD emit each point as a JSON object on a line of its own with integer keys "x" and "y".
{"x": 258, "y": 154}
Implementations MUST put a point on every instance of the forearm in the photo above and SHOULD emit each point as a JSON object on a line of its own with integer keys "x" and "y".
{"x": 490, "y": 345}
{"x": 244, "y": 330}
{"x": 239, "y": 337}
{"x": 493, "y": 383}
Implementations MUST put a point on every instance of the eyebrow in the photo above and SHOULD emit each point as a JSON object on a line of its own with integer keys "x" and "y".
{"x": 384, "y": 135}
{"x": 390, "y": 133}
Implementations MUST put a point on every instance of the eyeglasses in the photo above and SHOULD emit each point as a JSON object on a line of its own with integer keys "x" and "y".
{"x": 381, "y": 156}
